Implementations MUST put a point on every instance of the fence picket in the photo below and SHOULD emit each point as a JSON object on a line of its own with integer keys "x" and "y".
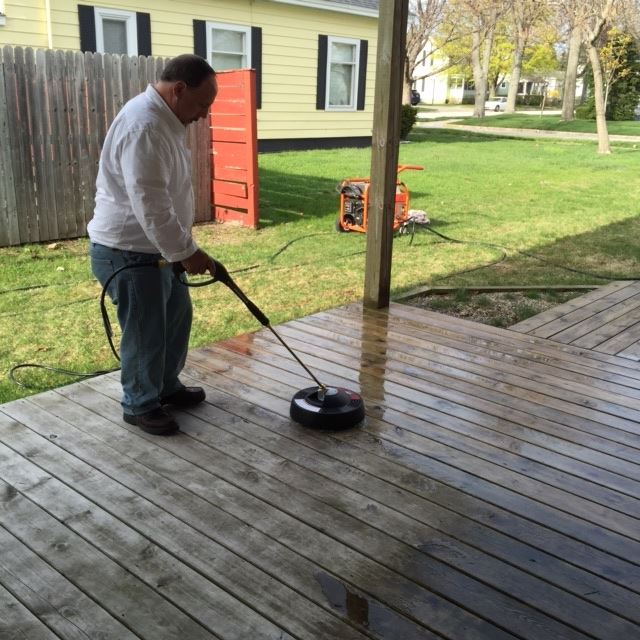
{"x": 9, "y": 231}
{"x": 47, "y": 201}
{"x": 33, "y": 93}
{"x": 13, "y": 109}
{"x": 60, "y": 145}
{"x": 55, "y": 109}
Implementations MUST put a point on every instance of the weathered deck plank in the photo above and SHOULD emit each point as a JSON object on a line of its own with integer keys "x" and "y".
{"x": 602, "y": 296}
{"x": 492, "y": 492}
{"x": 16, "y": 621}
{"x": 606, "y": 320}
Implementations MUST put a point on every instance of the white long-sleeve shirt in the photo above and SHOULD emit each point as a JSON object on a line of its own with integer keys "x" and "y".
{"x": 144, "y": 196}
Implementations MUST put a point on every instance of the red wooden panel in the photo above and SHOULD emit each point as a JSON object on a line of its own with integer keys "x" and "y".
{"x": 230, "y": 188}
{"x": 234, "y": 148}
{"x": 231, "y": 215}
{"x": 230, "y": 173}
{"x": 232, "y": 154}
{"x": 231, "y": 92}
{"x": 226, "y": 200}
{"x": 229, "y": 135}
{"x": 227, "y": 120}
{"x": 236, "y": 107}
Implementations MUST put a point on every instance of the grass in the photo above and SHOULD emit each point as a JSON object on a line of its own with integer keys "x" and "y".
{"x": 552, "y": 123}
{"x": 557, "y": 200}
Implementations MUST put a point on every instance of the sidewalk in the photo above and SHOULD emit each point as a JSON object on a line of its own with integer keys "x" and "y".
{"x": 520, "y": 133}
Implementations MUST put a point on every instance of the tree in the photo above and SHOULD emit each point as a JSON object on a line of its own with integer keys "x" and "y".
{"x": 500, "y": 59}
{"x": 480, "y": 17}
{"x": 525, "y": 14}
{"x": 568, "y": 15}
{"x": 623, "y": 95}
{"x": 593, "y": 21}
{"x": 425, "y": 19}
{"x": 614, "y": 55}
{"x": 590, "y": 19}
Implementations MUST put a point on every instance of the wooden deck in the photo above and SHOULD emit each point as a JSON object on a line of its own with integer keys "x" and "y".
{"x": 606, "y": 320}
{"x": 492, "y": 493}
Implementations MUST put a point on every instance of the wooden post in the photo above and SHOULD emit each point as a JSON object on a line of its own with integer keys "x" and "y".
{"x": 392, "y": 30}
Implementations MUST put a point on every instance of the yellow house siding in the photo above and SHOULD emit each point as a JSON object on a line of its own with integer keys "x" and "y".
{"x": 25, "y": 24}
{"x": 289, "y": 72}
{"x": 289, "y": 52}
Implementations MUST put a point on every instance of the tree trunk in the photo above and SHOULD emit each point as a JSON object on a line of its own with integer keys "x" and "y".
{"x": 598, "y": 90}
{"x": 406, "y": 85}
{"x": 571, "y": 74}
{"x": 480, "y": 80}
{"x": 514, "y": 81}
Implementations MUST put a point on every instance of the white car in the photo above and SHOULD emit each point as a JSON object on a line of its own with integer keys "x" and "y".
{"x": 496, "y": 104}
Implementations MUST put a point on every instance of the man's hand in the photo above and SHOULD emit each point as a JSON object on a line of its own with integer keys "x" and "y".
{"x": 199, "y": 263}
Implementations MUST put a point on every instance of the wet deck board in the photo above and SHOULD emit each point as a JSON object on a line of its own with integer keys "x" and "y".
{"x": 606, "y": 320}
{"x": 492, "y": 492}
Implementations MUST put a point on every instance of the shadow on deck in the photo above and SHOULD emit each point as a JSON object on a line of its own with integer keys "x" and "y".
{"x": 492, "y": 492}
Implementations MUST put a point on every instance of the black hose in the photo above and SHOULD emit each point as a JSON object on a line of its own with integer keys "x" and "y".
{"x": 75, "y": 374}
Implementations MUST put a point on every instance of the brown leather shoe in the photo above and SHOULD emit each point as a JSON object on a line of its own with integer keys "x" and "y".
{"x": 185, "y": 397}
{"x": 157, "y": 422}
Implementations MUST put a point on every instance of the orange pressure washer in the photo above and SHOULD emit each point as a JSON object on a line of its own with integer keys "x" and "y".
{"x": 354, "y": 202}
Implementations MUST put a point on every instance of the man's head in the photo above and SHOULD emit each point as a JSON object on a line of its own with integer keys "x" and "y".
{"x": 188, "y": 85}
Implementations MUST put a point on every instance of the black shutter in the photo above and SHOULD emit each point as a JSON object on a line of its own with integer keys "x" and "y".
{"x": 200, "y": 38}
{"x": 143, "y": 24}
{"x": 362, "y": 73}
{"x": 87, "y": 20}
{"x": 256, "y": 61}
{"x": 321, "y": 85}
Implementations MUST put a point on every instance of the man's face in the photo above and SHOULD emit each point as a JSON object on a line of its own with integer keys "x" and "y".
{"x": 193, "y": 103}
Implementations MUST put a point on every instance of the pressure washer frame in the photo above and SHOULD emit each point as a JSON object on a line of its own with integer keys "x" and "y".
{"x": 354, "y": 192}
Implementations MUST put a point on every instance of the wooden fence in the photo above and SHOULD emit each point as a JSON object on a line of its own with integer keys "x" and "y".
{"x": 55, "y": 109}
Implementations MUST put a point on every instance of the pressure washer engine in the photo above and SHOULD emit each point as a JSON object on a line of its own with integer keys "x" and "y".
{"x": 354, "y": 202}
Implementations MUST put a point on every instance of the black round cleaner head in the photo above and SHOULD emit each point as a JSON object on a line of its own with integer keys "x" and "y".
{"x": 327, "y": 408}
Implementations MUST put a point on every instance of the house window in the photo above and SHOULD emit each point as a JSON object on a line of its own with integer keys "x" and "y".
{"x": 116, "y": 31}
{"x": 342, "y": 73}
{"x": 228, "y": 46}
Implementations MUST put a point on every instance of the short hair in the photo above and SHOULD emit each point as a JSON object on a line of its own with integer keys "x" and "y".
{"x": 188, "y": 68}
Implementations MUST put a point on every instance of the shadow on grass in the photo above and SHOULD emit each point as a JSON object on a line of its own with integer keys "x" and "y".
{"x": 286, "y": 197}
{"x": 610, "y": 251}
{"x": 596, "y": 257}
{"x": 444, "y": 136}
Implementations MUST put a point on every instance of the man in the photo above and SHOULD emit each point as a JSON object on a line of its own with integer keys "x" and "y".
{"x": 144, "y": 212}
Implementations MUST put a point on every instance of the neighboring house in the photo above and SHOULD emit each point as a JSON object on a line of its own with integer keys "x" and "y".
{"x": 314, "y": 59}
{"x": 449, "y": 88}
{"x": 439, "y": 87}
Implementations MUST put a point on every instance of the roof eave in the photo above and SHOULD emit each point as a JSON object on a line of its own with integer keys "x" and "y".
{"x": 327, "y": 5}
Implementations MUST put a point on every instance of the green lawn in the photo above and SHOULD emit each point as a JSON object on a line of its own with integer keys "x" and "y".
{"x": 559, "y": 200}
{"x": 552, "y": 123}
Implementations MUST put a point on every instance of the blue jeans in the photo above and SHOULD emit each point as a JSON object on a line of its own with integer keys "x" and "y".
{"x": 154, "y": 312}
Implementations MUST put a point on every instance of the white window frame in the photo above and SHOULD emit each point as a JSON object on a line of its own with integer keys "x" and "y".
{"x": 223, "y": 26}
{"x": 128, "y": 17}
{"x": 3, "y": 17}
{"x": 352, "y": 106}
